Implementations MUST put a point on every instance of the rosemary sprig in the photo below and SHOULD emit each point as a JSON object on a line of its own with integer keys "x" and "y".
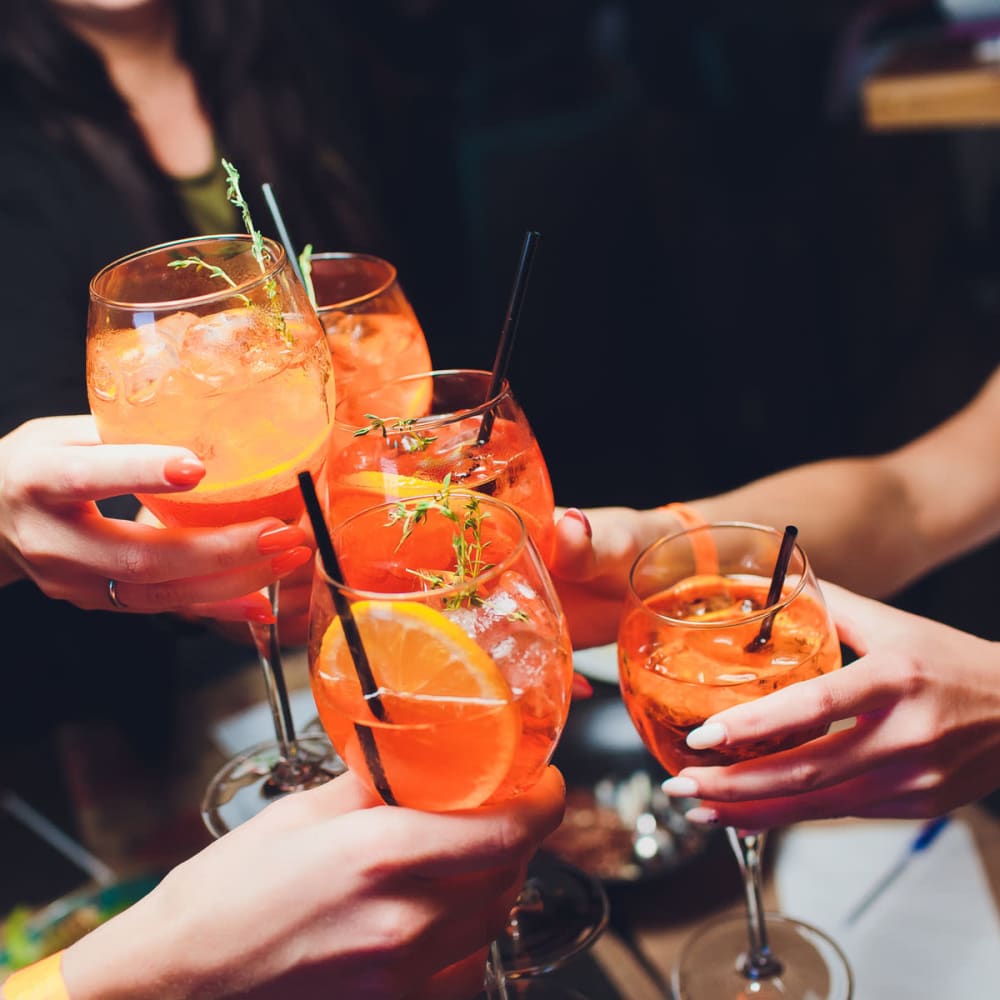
{"x": 467, "y": 542}
{"x": 409, "y": 440}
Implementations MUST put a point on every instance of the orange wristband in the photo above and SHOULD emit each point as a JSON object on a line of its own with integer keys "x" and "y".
{"x": 706, "y": 557}
{"x": 41, "y": 981}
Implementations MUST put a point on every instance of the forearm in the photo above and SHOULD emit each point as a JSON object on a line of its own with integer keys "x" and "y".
{"x": 855, "y": 517}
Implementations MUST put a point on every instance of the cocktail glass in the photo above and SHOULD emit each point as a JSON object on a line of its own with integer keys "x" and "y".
{"x": 405, "y": 436}
{"x": 686, "y": 650}
{"x": 370, "y": 325}
{"x": 211, "y": 344}
{"x": 470, "y": 655}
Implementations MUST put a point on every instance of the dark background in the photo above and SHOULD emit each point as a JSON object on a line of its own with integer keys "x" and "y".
{"x": 734, "y": 275}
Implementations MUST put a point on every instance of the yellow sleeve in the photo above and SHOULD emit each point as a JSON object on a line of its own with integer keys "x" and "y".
{"x": 41, "y": 981}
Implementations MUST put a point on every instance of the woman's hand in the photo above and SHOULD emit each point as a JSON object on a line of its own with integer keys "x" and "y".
{"x": 593, "y": 553}
{"x": 926, "y": 699}
{"x": 326, "y": 887}
{"x": 52, "y": 472}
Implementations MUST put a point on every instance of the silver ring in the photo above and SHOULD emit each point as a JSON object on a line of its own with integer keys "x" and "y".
{"x": 113, "y": 595}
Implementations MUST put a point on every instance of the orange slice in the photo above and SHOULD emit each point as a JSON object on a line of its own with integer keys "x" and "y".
{"x": 388, "y": 484}
{"x": 451, "y": 726}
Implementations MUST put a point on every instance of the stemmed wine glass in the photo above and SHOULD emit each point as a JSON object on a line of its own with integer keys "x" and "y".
{"x": 370, "y": 325}
{"x": 210, "y": 343}
{"x": 467, "y": 667}
{"x": 410, "y": 435}
{"x": 712, "y": 619}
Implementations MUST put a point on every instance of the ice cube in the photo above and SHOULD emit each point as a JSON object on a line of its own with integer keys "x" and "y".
{"x": 146, "y": 360}
{"x": 233, "y": 348}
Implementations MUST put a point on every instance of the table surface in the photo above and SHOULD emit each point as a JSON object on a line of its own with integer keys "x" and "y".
{"x": 134, "y": 828}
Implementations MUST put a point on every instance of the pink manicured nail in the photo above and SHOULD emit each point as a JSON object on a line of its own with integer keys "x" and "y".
{"x": 292, "y": 559}
{"x": 183, "y": 471}
{"x": 710, "y": 735}
{"x": 578, "y": 515}
{"x": 681, "y": 787}
{"x": 278, "y": 539}
{"x": 702, "y": 815}
{"x": 581, "y": 687}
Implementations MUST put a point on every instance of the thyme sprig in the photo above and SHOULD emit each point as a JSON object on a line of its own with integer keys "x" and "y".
{"x": 213, "y": 271}
{"x": 409, "y": 440}
{"x": 467, "y": 543}
{"x": 235, "y": 196}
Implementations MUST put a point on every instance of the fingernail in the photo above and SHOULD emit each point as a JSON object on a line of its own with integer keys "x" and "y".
{"x": 681, "y": 787}
{"x": 255, "y": 608}
{"x": 286, "y": 536}
{"x": 292, "y": 559}
{"x": 581, "y": 687}
{"x": 702, "y": 815}
{"x": 578, "y": 515}
{"x": 183, "y": 471}
{"x": 710, "y": 735}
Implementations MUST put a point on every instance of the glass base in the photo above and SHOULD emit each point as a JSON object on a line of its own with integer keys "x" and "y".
{"x": 560, "y": 912}
{"x": 812, "y": 966}
{"x": 258, "y": 776}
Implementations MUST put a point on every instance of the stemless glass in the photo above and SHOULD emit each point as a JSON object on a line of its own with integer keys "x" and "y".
{"x": 467, "y": 646}
{"x": 207, "y": 344}
{"x": 370, "y": 325}
{"x": 686, "y": 648}
{"x": 408, "y": 434}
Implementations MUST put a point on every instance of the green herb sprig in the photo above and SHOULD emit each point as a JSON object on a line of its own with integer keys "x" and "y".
{"x": 235, "y": 196}
{"x": 467, "y": 542}
{"x": 408, "y": 440}
{"x": 213, "y": 271}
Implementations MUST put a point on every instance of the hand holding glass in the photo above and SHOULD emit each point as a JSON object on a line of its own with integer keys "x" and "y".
{"x": 690, "y": 644}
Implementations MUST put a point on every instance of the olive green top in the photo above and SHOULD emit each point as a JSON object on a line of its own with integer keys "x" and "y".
{"x": 205, "y": 204}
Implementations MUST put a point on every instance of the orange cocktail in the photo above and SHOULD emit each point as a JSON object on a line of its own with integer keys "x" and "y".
{"x": 370, "y": 325}
{"x": 468, "y": 648}
{"x": 410, "y": 434}
{"x": 684, "y": 657}
{"x": 236, "y": 368}
{"x": 716, "y": 616}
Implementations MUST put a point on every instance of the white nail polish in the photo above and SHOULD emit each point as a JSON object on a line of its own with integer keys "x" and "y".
{"x": 709, "y": 735}
{"x": 680, "y": 787}
{"x": 702, "y": 815}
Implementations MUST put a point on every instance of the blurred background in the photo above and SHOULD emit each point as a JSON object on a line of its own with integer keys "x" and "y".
{"x": 736, "y": 273}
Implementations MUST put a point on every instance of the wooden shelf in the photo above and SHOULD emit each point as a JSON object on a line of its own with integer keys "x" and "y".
{"x": 933, "y": 84}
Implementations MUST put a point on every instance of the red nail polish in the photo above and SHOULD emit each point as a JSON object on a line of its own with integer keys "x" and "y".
{"x": 183, "y": 471}
{"x": 578, "y": 515}
{"x": 286, "y": 536}
{"x": 581, "y": 687}
{"x": 292, "y": 559}
{"x": 256, "y": 608}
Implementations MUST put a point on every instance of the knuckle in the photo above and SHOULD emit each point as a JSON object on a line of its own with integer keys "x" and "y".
{"x": 806, "y": 776}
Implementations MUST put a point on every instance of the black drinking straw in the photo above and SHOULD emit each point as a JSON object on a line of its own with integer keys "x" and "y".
{"x": 502, "y": 360}
{"x": 368, "y": 686}
{"x": 286, "y": 242}
{"x": 761, "y": 639}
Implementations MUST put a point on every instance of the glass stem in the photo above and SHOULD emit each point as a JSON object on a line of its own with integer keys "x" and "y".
{"x": 265, "y": 638}
{"x": 496, "y": 980}
{"x": 758, "y": 963}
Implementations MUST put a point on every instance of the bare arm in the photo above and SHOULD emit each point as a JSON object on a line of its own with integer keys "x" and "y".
{"x": 870, "y": 524}
{"x": 875, "y": 524}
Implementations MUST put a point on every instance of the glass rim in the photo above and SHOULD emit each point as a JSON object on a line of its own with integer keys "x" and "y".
{"x": 746, "y": 619}
{"x": 274, "y": 250}
{"x": 356, "y": 299}
{"x": 521, "y": 544}
{"x": 430, "y": 419}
